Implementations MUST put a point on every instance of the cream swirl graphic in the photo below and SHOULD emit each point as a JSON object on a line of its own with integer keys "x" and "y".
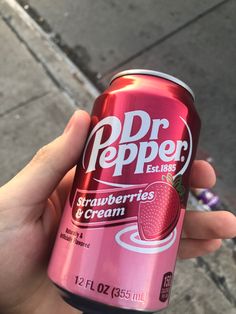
{"x": 129, "y": 239}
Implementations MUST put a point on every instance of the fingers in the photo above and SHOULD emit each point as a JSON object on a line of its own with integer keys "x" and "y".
{"x": 203, "y": 231}
{"x": 40, "y": 177}
{"x": 209, "y": 225}
{"x": 190, "y": 248}
{"x": 202, "y": 175}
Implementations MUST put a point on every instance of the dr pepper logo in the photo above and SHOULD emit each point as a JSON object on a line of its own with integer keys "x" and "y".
{"x": 139, "y": 143}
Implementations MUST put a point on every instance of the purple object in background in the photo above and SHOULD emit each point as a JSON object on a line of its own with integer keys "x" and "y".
{"x": 207, "y": 198}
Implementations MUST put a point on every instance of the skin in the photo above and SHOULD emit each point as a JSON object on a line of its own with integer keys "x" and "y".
{"x": 30, "y": 208}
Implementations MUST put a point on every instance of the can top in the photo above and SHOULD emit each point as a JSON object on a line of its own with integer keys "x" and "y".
{"x": 154, "y": 73}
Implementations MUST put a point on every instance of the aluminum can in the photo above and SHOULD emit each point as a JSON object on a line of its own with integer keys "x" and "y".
{"x": 117, "y": 243}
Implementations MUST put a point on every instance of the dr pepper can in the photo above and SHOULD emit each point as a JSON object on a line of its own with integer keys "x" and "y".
{"x": 117, "y": 243}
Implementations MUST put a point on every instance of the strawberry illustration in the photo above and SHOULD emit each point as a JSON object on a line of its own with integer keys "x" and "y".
{"x": 157, "y": 218}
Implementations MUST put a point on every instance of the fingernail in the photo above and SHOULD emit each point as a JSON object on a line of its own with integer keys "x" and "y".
{"x": 70, "y": 123}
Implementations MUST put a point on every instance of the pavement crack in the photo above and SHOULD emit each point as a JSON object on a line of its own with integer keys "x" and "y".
{"x": 164, "y": 38}
{"x": 219, "y": 281}
{"x": 23, "y": 103}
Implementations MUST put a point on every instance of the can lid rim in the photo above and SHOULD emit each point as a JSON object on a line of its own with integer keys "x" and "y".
{"x": 154, "y": 73}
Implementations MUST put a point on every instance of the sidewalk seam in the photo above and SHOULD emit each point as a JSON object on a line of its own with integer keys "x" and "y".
{"x": 23, "y": 103}
{"x": 165, "y": 37}
{"x": 74, "y": 74}
{"x": 7, "y": 21}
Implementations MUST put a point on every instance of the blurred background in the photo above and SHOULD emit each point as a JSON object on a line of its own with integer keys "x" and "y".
{"x": 58, "y": 55}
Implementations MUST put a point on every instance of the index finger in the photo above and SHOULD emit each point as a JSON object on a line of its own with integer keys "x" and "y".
{"x": 202, "y": 175}
{"x": 209, "y": 225}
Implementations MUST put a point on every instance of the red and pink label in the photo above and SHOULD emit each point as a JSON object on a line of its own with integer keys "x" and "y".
{"x": 113, "y": 265}
{"x": 119, "y": 234}
{"x": 136, "y": 148}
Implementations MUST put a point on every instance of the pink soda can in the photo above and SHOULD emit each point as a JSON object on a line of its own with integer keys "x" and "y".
{"x": 117, "y": 243}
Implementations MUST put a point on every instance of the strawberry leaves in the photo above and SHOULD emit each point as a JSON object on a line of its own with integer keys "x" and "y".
{"x": 176, "y": 182}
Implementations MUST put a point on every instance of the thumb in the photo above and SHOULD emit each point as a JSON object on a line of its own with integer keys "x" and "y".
{"x": 38, "y": 179}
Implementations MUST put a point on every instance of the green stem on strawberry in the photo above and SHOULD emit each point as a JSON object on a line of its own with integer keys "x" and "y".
{"x": 176, "y": 183}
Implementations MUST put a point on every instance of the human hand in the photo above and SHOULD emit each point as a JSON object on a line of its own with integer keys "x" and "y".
{"x": 30, "y": 208}
{"x": 203, "y": 231}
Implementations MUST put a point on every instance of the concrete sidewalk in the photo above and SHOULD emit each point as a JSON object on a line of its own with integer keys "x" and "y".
{"x": 35, "y": 100}
{"x": 39, "y": 90}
